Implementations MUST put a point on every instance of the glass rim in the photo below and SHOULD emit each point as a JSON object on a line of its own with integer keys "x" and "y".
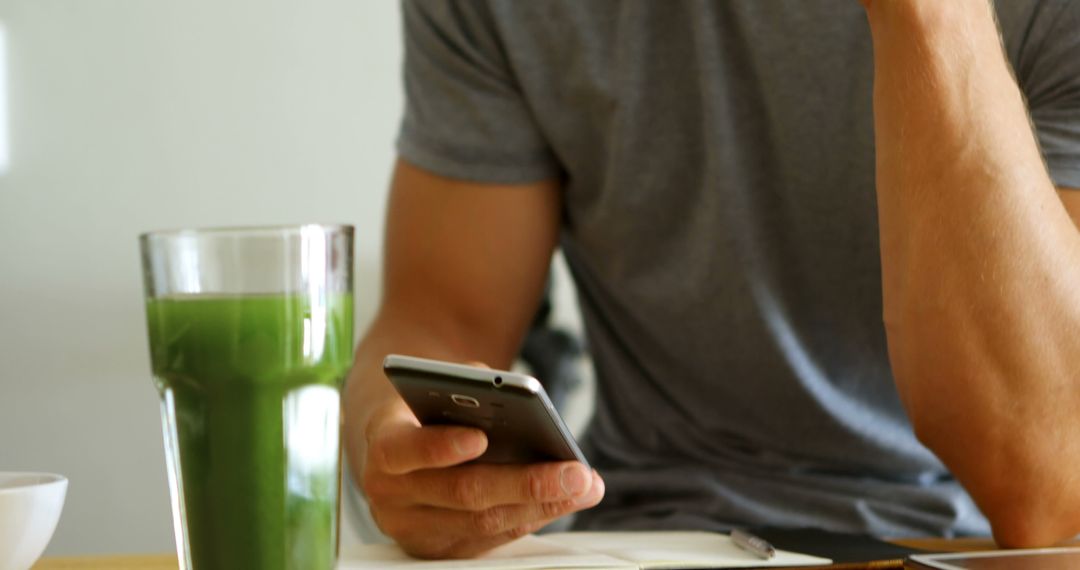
{"x": 242, "y": 230}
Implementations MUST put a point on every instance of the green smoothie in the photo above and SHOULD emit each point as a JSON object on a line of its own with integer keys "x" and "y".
{"x": 250, "y": 395}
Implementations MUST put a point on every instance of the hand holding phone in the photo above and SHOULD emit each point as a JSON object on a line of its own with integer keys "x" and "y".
{"x": 521, "y": 424}
{"x": 426, "y": 491}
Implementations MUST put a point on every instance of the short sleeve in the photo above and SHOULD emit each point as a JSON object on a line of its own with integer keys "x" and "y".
{"x": 465, "y": 116}
{"x": 1050, "y": 76}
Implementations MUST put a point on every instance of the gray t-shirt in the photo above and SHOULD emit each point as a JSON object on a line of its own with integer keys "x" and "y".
{"x": 719, "y": 218}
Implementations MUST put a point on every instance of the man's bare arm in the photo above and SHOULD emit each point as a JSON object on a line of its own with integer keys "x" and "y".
{"x": 464, "y": 270}
{"x": 980, "y": 267}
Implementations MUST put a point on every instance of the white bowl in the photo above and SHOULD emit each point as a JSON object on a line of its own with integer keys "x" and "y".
{"x": 30, "y": 505}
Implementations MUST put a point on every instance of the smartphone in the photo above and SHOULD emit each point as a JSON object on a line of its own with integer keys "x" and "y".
{"x": 512, "y": 409}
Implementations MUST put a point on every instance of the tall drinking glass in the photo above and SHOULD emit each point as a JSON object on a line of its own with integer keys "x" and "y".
{"x": 250, "y": 339}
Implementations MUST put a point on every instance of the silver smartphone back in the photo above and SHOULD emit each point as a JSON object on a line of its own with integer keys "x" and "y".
{"x": 513, "y": 409}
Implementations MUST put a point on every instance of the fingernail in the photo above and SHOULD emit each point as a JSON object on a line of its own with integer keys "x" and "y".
{"x": 596, "y": 492}
{"x": 575, "y": 480}
{"x": 468, "y": 444}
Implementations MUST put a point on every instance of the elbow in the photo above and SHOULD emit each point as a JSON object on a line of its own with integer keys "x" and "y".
{"x": 1028, "y": 505}
{"x": 1003, "y": 422}
{"x": 1032, "y": 528}
{"x": 1030, "y": 496}
{"x": 1011, "y": 535}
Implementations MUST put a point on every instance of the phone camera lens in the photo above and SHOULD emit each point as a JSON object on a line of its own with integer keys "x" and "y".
{"x": 498, "y": 380}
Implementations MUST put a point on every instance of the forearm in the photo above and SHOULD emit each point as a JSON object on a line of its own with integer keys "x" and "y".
{"x": 980, "y": 267}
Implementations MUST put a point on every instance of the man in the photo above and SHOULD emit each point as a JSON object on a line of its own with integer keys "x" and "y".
{"x": 708, "y": 168}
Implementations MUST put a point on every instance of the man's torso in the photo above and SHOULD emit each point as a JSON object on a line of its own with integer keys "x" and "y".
{"x": 720, "y": 221}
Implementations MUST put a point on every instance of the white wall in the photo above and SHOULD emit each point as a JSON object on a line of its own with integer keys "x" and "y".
{"x": 130, "y": 115}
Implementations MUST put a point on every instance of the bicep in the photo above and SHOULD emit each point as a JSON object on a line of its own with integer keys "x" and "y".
{"x": 468, "y": 259}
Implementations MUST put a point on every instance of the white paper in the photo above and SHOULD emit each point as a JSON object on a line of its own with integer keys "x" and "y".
{"x": 589, "y": 550}
{"x": 527, "y": 553}
{"x": 679, "y": 549}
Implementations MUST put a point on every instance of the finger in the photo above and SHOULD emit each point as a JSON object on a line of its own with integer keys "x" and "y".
{"x": 471, "y": 548}
{"x": 394, "y": 415}
{"x": 465, "y": 534}
{"x": 442, "y": 548}
{"x": 482, "y": 486}
{"x": 405, "y": 449}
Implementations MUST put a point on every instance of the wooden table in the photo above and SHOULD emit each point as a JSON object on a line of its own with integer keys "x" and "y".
{"x": 168, "y": 561}
{"x": 159, "y": 562}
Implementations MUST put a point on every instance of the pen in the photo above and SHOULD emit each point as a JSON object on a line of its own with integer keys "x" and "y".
{"x": 752, "y": 544}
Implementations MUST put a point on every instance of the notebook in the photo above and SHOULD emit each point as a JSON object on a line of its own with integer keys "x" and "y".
{"x": 589, "y": 550}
